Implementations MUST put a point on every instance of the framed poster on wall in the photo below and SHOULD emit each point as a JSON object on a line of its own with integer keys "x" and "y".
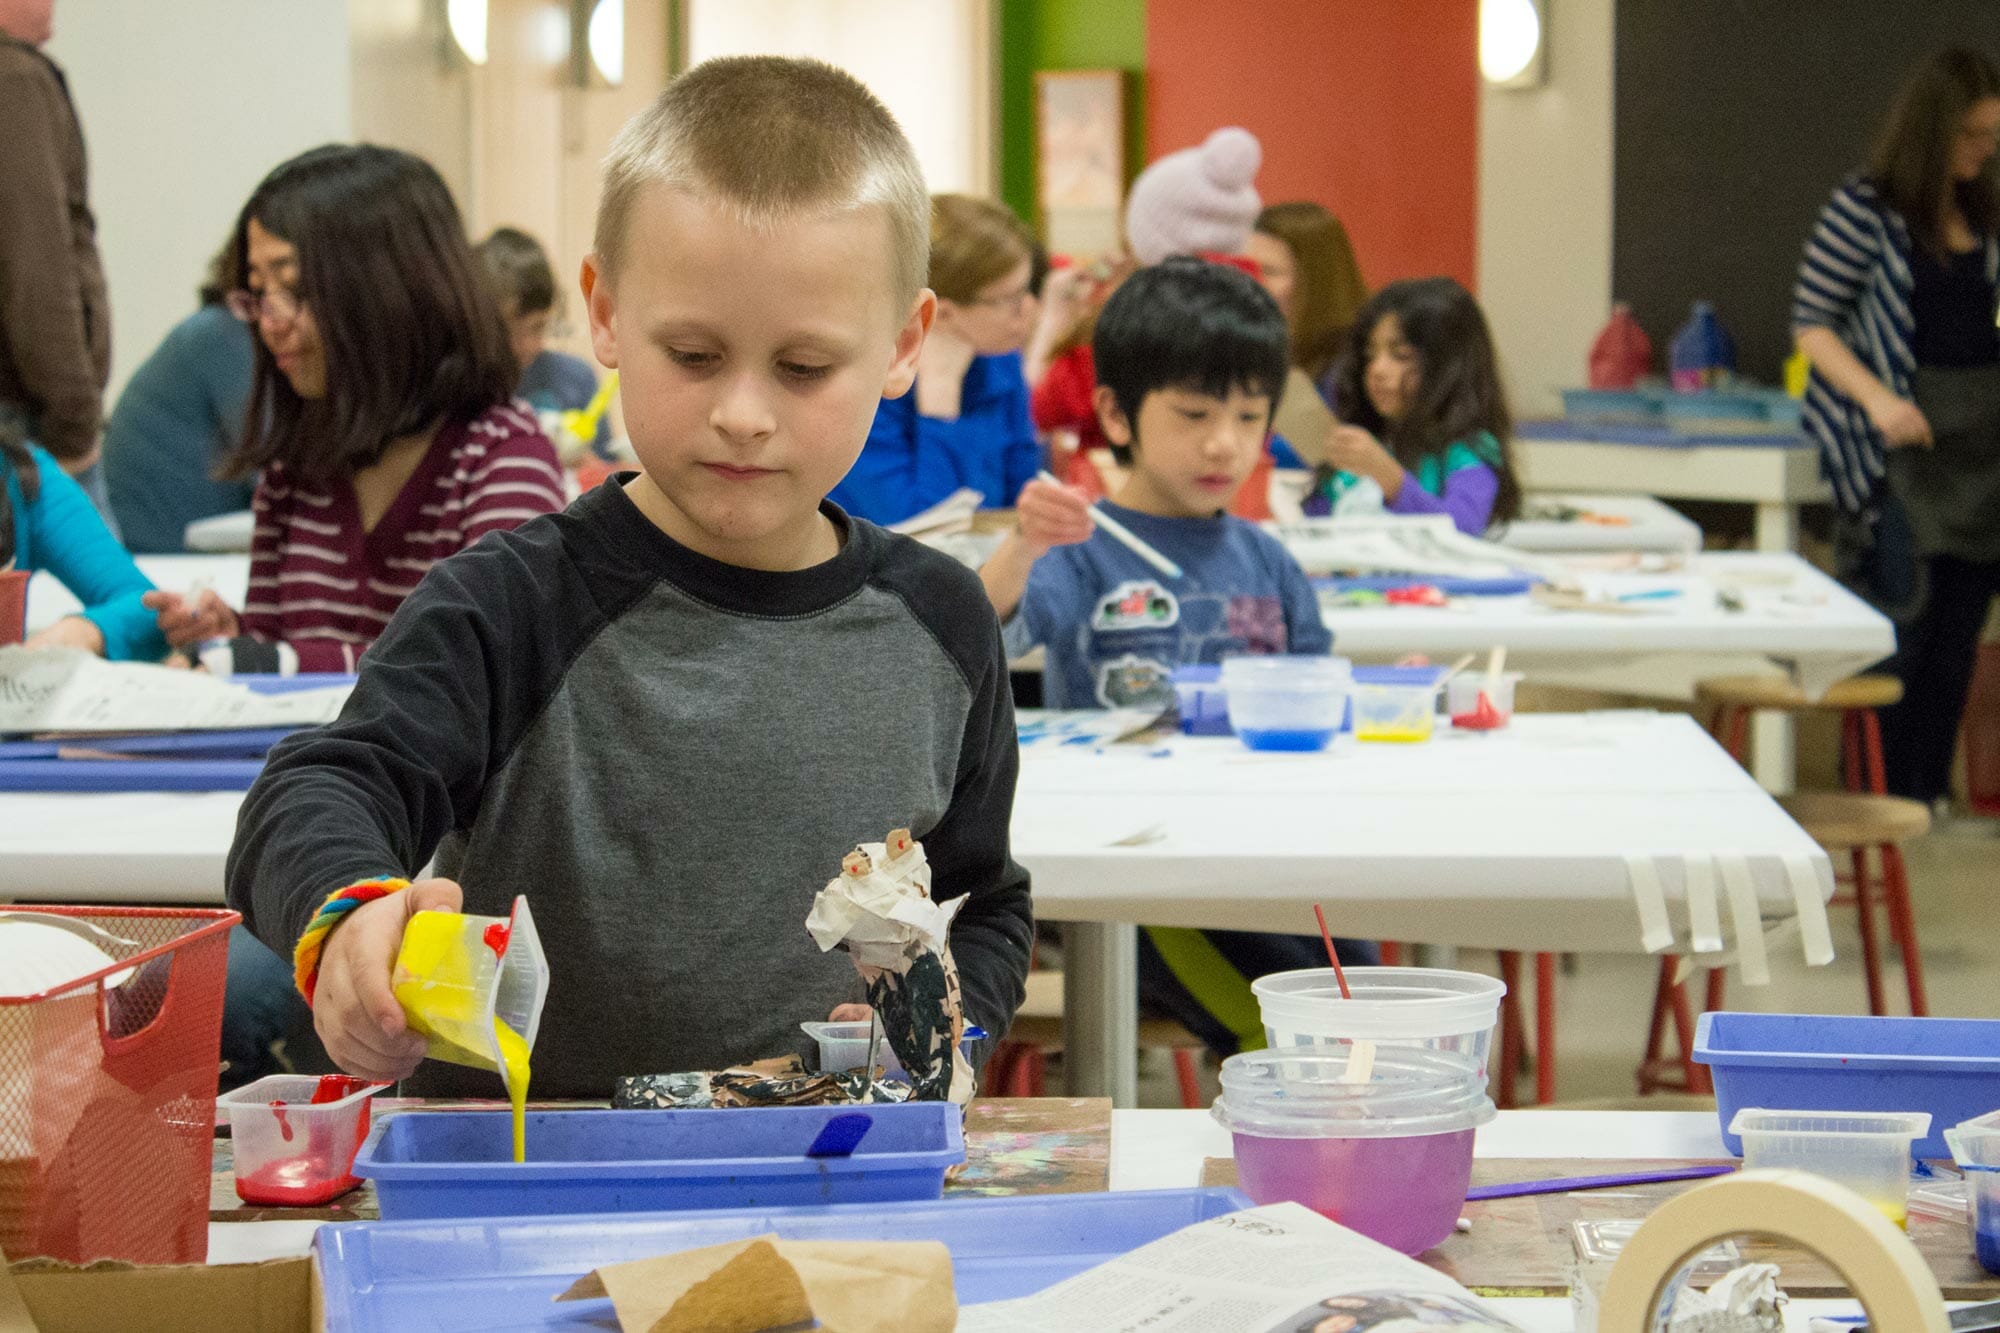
{"x": 1080, "y": 158}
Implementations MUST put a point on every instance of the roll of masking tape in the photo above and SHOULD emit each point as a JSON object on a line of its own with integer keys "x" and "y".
{"x": 1877, "y": 1261}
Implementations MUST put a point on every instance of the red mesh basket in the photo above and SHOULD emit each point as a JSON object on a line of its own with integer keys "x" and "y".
{"x": 107, "y": 1095}
{"x": 13, "y": 605}
{"x": 1982, "y": 732}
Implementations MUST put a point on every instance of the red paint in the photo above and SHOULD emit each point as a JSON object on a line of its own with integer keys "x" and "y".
{"x": 332, "y": 1087}
{"x": 1371, "y": 109}
{"x": 496, "y": 938}
{"x": 322, "y": 1170}
{"x": 1483, "y": 717}
{"x": 284, "y": 1121}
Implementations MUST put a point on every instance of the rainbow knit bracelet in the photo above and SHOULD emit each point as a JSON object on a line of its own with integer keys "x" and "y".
{"x": 305, "y": 954}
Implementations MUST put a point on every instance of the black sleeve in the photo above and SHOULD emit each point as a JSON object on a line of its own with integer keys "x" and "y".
{"x": 970, "y": 849}
{"x": 442, "y": 697}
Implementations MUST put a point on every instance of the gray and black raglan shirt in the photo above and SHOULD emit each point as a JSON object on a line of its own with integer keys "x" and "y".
{"x": 669, "y": 756}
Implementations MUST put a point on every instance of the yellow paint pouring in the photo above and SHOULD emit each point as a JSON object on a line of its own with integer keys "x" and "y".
{"x": 514, "y": 1060}
{"x": 444, "y": 973}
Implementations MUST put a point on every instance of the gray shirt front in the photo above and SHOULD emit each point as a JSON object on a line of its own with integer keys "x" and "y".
{"x": 668, "y": 756}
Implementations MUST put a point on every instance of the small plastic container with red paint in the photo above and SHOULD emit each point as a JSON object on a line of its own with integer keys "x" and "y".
{"x": 296, "y": 1136}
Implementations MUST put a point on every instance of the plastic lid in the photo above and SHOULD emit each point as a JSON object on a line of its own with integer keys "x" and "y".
{"x": 1412, "y": 1003}
{"x": 1831, "y": 1124}
{"x": 1279, "y": 670}
{"x": 1410, "y": 1091}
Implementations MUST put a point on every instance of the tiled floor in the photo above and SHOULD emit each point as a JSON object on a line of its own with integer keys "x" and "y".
{"x": 1603, "y": 1002}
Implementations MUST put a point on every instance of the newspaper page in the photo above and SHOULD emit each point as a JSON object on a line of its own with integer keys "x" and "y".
{"x": 63, "y": 690}
{"x": 1278, "y": 1269}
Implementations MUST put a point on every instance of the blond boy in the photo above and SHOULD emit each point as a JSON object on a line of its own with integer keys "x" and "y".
{"x": 666, "y": 714}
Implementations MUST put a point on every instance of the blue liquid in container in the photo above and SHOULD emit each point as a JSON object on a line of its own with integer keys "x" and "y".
{"x": 1308, "y": 738}
{"x": 1986, "y": 1244}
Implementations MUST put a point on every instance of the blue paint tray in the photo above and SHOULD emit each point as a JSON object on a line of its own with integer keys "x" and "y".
{"x": 460, "y": 1163}
{"x": 504, "y": 1274}
{"x": 1949, "y": 1067}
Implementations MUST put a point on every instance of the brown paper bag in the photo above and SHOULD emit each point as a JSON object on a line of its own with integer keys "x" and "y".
{"x": 747, "y": 1286}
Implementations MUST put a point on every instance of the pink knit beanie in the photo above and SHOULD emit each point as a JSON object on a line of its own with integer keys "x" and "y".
{"x": 1196, "y": 199}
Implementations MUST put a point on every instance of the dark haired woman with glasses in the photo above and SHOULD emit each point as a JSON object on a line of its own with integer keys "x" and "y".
{"x": 1896, "y": 308}
{"x": 381, "y": 422}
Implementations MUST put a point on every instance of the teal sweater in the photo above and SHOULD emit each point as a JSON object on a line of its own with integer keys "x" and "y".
{"x": 61, "y": 532}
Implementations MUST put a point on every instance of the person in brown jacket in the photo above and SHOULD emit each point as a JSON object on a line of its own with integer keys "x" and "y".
{"x": 55, "y": 322}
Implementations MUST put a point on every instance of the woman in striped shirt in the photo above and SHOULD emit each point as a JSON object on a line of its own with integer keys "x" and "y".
{"x": 1895, "y": 308}
{"x": 382, "y": 422}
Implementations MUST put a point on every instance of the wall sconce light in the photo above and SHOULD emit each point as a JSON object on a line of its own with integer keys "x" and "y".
{"x": 606, "y": 39}
{"x": 467, "y": 20}
{"x": 1514, "y": 43}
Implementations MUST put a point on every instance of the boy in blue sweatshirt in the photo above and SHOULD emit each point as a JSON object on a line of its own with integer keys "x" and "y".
{"x": 1191, "y": 358}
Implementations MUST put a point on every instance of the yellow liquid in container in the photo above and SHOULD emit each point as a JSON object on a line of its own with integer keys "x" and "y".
{"x": 514, "y": 1057}
{"x": 443, "y": 972}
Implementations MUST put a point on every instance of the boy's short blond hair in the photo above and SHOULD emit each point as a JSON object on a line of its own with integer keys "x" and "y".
{"x": 775, "y": 139}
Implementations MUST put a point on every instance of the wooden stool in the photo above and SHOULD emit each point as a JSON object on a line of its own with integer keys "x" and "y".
{"x": 1731, "y": 701}
{"x": 1019, "y": 1062}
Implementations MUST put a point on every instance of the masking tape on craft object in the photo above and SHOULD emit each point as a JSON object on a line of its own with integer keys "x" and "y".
{"x": 1877, "y": 1261}
{"x": 1809, "y": 901}
{"x": 1655, "y": 931}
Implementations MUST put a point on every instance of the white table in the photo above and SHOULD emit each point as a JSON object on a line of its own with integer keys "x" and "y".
{"x": 1796, "y": 620}
{"x": 1624, "y": 523}
{"x": 1775, "y": 471}
{"x": 229, "y": 575}
{"x": 1518, "y": 840}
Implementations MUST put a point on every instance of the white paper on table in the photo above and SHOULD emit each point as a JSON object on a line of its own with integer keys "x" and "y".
{"x": 68, "y": 690}
{"x": 1274, "y": 1269}
{"x": 951, "y": 514}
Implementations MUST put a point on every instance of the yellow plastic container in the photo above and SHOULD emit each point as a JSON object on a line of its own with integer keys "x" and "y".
{"x": 1404, "y": 713}
{"x": 474, "y": 987}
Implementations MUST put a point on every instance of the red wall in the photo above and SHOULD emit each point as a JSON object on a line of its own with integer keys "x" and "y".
{"x": 1370, "y": 107}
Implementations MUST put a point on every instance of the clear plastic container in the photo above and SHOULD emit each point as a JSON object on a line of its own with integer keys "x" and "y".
{"x": 1287, "y": 702}
{"x": 455, "y": 975}
{"x": 295, "y": 1136}
{"x": 844, "y": 1046}
{"x": 1596, "y": 1246}
{"x": 1204, "y": 711}
{"x": 1394, "y": 712}
{"x": 1868, "y": 1153}
{"x": 1434, "y": 1008}
{"x": 1390, "y": 1158}
{"x": 1975, "y": 1146}
{"x": 1462, "y": 700}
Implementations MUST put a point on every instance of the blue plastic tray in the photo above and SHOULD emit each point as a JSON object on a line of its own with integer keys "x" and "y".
{"x": 1810, "y": 1062}
{"x": 503, "y": 1274}
{"x": 102, "y": 775}
{"x": 460, "y": 1163}
{"x": 1449, "y": 586}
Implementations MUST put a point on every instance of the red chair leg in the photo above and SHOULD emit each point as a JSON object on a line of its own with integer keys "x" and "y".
{"x": 1684, "y": 1034}
{"x": 1738, "y": 743}
{"x": 1190, "y": 1081}
{"x": 1718, "y": 980}
{"x": 1512, "y": 1035}
{"x": 1656, "y": 1032}
{"x": 1034, "y": 1070}
{"x": 1392, "y": 953}
{"x": 1545, "y": 1028}
{"x": 1864, "y": 911}
{"x": 1871, "y": 752}
{"x": 1903, "y": 925}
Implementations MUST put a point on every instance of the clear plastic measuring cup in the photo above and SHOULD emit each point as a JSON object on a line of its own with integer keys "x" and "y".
{"x": 456, "y": 974}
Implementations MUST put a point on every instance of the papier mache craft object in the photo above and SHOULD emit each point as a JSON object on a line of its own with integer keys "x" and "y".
{"x": 880, "y": 910}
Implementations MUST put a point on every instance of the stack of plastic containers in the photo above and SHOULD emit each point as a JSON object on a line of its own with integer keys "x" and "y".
{"x": 1364, "y": 1106}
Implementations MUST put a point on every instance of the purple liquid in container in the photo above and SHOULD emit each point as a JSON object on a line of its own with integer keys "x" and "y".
{"x": 1389, "y": 1156}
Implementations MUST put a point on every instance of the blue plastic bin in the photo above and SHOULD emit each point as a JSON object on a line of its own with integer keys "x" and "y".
{"x": 1814, "y": 1062}
{"x": 450, "y": 1277}
{"x": 460, "y": 1163}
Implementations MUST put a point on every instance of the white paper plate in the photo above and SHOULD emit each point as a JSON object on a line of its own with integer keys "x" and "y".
{"x": 36, "y": 956}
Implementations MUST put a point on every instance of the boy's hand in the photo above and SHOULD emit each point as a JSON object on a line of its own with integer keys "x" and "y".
{"x": 69, "y": 632}
{"x": 1352, "y": 449}
{"x": 1051, "y": 516}
{"x": 354, "y": 1010}
{"x": 850, "y": 1013}
{"x": 190, "y": 619}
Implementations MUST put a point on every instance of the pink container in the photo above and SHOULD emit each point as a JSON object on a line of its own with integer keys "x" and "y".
{"x": 1390, "y": 1158}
